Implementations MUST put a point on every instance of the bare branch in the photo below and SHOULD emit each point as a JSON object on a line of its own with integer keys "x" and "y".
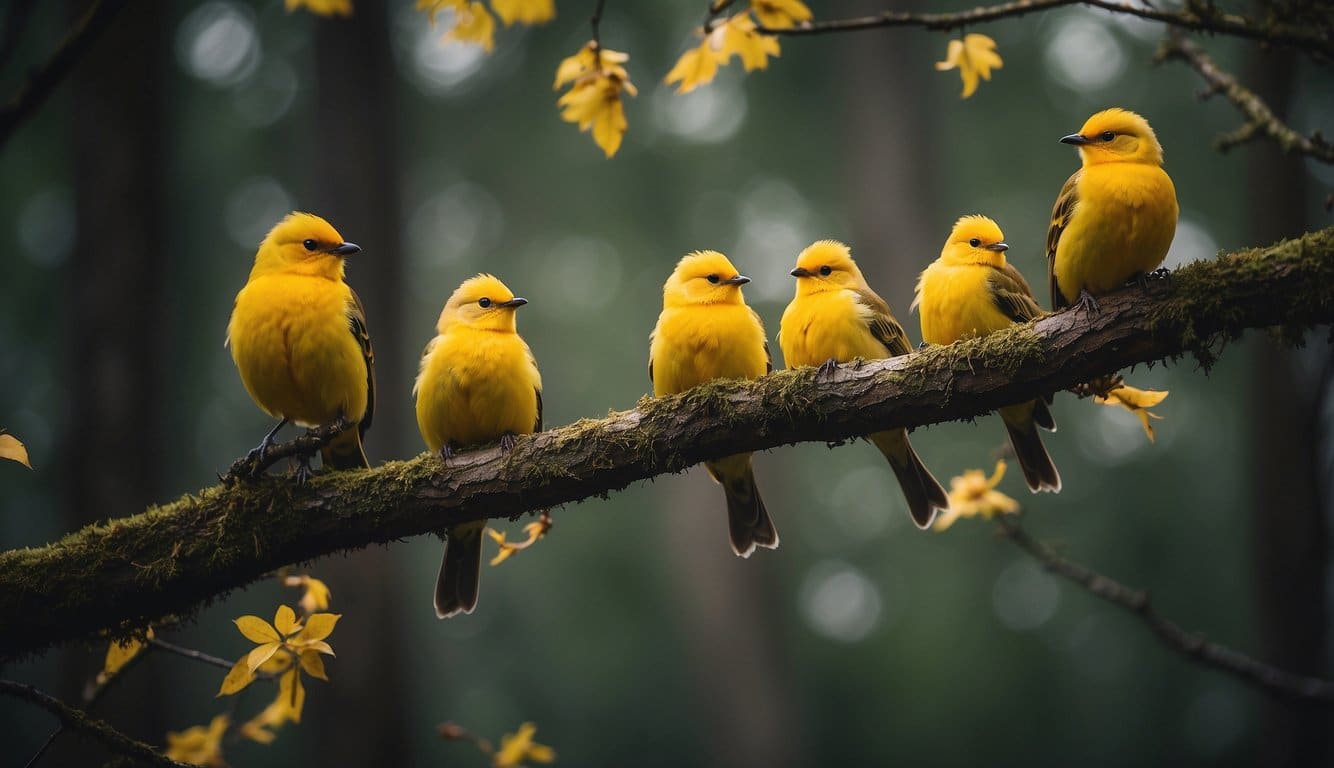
{"x": 1260, "y": 119}
{"x": 78, "y": 720}
{"x": 1193, "y": 646}
{"x": 1195, "y": 16}
{"x": 172, "y": 559}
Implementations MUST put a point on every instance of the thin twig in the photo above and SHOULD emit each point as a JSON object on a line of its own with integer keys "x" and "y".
{"x": 1195, "y": 16}
{"x": 1260, "y": 119}
{"x": 190, "y": 653}
{"x": 595, "y": 22}
{"x": 1310, "y": 690}
{"x": 44, "y": 79}
{"x": 77, "y": 719}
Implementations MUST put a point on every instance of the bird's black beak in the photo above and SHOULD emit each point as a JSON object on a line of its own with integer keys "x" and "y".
{"x": 513, "y": 303}
{"x": 998, "y": 247}
{"x": 801, "y": 272}
{"x": 1076, "y": 140}
{"x": 738, "y": 280}
{"x": 346, "y": 249}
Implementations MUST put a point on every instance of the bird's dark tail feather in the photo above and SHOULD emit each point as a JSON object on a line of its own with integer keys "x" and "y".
{"x": 461, "y": 572}
{"x": 1039, "y": 471}
{"x": 921, "y": 490}
{"x": 748, "y": 522}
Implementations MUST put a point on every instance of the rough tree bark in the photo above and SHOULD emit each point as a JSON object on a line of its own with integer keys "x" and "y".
{"x": 174, "y": 558}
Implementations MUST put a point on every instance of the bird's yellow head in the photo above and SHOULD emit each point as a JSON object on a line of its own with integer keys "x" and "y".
{"x": 1116, "y": 136}
{"x": 975, "y": 240}
{"x": 703, "y": 277}
{"x": 303, "y": 243}
{"x": 481, "y": 302}
{"x": 826, "y": 265}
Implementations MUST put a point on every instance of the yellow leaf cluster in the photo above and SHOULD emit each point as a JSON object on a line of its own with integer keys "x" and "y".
{"x": 780, "y": 14}
{"x": 317, "y": 594}
{"x": 596, "y": 77}
{"x": 534, "y": 531}
{"x": 297, "y": 643}
{"x": 321, "y": 7}
{"x": 285, "y": 708}
{"x": 120, "y": 654}
{"x": 973, "y": 494}
{"x": 975, "y": 56}
{"x": 1137, "y": 401}
{"x": 199, "y": 745}
{"x": 738, "y": 36}
{"x": 519, "y": 749}
{"x": 530, "y": 12}
{"x": 12, "y": 449}
{"x": 473, "y": 23}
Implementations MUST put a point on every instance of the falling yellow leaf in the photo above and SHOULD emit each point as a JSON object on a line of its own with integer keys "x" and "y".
{"x": 697, "y": 66}
{"x": 120, "y": 654}
{"x": 199, "y": 745}
{"x": 596, "y": 78}
{"x": 517, "y": 749}
{"x": 780, "y": 14}
{"x": 322, "y": 7}
{"x": 12, "y": 449}
{"x": 316, "y": 596}
{"x": 975, "y": 56}
{"x": 740, "y": 38}
{"x": 474, "y": 24}
{"x": 524, "y": 11}
{"x": 973, "y": 494}
{"x": 534, "y": 531}
{"x": 1137, "y": 401}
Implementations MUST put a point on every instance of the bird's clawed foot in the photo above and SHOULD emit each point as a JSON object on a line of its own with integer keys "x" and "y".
{"x": 302, "y": 472}
{"x": 446, "y": 452}
{"x": 826, "y": 369}
{"x": 1087, "y": 303}
{"x": 923, "y": 346}
{"x": 508, "y": 441}
{"x": 256, "y": 454}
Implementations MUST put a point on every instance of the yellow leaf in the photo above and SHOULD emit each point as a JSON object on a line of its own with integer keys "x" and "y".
{"x": 780, "y": 14}
{"x": 120, "y": 654}
{"x": 975, "y": 56}
{"x": 257, "y": 630}
{"x": 12, "y": 449}
{"x": 503, "y": 554}
{"x": 261, "y": 654}
{"x": 594, "y": 99}
{"x": 318, "y": 627}
{"x": 237, "y": 679}
{"x": 528, "y": 12}
{"x": 474, "y": 24}
{"x": 1137, "y": 401}
{"x": 292, "y": 695}
{"x": 199, "y": 745}
{"x": 322, "y": 7}
{"x": 284, "y": 620}
{"x": 741, "y": 39}
{"x": 316, "y": 596}
{"x": 697, "y": 66}
{"x": 313, "y": 664}
{"x": 973, "y": 494}
{"x": 519, "y": 748}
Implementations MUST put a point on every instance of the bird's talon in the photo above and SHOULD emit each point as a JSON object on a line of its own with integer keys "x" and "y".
{"x": 446, "y": 452}
{"x": 1087, "y": 303}
{"x": 507, "y": 442}
{"x": 826, "y": 369}
{"x": 922, "y": 346}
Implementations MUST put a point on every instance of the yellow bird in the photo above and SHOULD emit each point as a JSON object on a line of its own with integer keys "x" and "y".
{"x": 836, "y": 317}
{"x": 478, "y": 384}
{"x": 1116, "y": 216}
{"x": 972, "y": 291}
{"x": 707, "y": 332}
{"x": 298, "y": 337}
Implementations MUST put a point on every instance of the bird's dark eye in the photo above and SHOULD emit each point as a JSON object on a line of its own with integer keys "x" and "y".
{"x": 310, "y": 245}
{"x": 975, "y": 242}
{"x": 1108, "y": 136}
{"x": 483, "y": 302}
{"x": 826, "y": 271}
{"x": 713, "y": 279}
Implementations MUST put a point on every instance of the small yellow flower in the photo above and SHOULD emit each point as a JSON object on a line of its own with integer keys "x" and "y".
{"x": 120, "y": 654}
{"x": 322, "y": 7}
{"x": 973, "y": 494}
{"x": 1137, "y": 401}
{"x": 199, "y": 745}
{"x": 519, "y": 748}
{"x": 316, "y": 596}
{"x": 780, "y": 14}
{"x": 596, "y": 78}
{"x": 975, "y": 56}
{"x": 528, "y": 12}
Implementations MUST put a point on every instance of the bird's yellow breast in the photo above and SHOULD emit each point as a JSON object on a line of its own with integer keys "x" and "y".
{"x": 476, "y": 385}
{"x": 294, "y": 348}
{"x": 694, "y": 344}
{"x": 956, "y": 303}
{"x": 830, "y": 324}
{"x": 1122, "y": 225}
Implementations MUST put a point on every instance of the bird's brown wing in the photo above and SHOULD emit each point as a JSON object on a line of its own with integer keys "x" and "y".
{"x": 768, "y": 358}
{"x": 882, "y": 324}
{"x": 1011, "y": 294}
{"x": 1060, "y": 219}
{"x": 356, "y": 318}
{"x": 538, "y": 426}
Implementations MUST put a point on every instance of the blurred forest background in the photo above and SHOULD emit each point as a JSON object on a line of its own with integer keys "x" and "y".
{"x": 130, "y": 209}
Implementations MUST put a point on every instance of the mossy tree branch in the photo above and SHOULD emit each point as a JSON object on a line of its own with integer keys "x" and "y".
{"x": 174, "y": 558}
